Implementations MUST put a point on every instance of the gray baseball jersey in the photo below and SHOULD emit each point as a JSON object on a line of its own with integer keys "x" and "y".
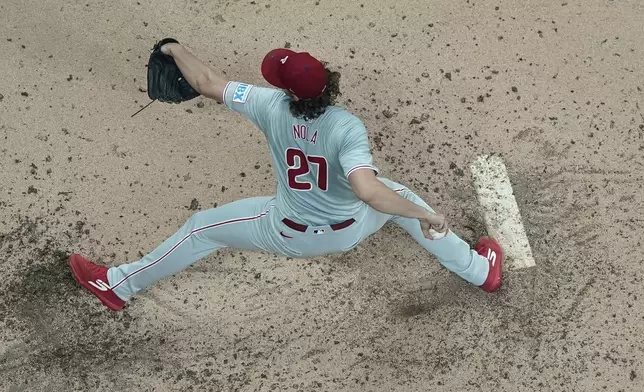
{"x": 312, "y": 159}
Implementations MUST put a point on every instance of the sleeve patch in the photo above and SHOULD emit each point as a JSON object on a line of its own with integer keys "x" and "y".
{"x": 240, "y": 95}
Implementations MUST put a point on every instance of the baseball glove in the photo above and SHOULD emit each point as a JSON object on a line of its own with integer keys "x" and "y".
{"x": 165, "y": 81}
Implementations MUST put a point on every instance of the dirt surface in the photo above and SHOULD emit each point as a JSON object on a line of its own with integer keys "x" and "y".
{"x": 555, "y": 87}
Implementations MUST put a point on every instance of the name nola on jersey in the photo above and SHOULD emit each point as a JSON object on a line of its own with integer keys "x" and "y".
{"x": 303, "y": 132}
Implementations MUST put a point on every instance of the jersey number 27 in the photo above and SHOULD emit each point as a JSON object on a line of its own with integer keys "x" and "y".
{"x": 298, "y": 164}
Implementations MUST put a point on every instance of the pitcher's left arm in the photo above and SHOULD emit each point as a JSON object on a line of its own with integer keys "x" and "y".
{"x": 205, "y": 80}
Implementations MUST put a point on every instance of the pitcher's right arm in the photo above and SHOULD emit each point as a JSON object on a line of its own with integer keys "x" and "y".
{"x": 369, "y": 189}
{"x": 356, "y": 161}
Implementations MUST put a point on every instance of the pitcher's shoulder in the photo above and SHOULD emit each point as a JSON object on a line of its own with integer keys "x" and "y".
{"x": 341, "y": 110}
{"x": 343, "y": 116}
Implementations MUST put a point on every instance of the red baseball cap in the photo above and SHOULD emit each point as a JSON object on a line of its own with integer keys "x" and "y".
{"x": 300, "y": 73}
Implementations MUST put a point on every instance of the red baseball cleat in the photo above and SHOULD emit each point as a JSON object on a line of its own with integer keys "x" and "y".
{"x": 492, "y": 251}
{"x": 94, "y": 278}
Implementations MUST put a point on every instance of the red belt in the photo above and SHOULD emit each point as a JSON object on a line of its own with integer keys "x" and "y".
{"x": 302, "y": 228}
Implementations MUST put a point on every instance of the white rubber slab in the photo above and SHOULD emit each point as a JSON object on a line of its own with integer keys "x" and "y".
{"x": 502, "y": 216}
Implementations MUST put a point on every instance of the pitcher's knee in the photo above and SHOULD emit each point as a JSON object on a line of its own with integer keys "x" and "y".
{"x": 196, "y": 221}
{"x": 191, "y": 222}
{"x": 200, "y": 218}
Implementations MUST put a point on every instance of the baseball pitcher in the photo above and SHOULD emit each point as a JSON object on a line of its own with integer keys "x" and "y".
{"x": 329, "y": 197}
